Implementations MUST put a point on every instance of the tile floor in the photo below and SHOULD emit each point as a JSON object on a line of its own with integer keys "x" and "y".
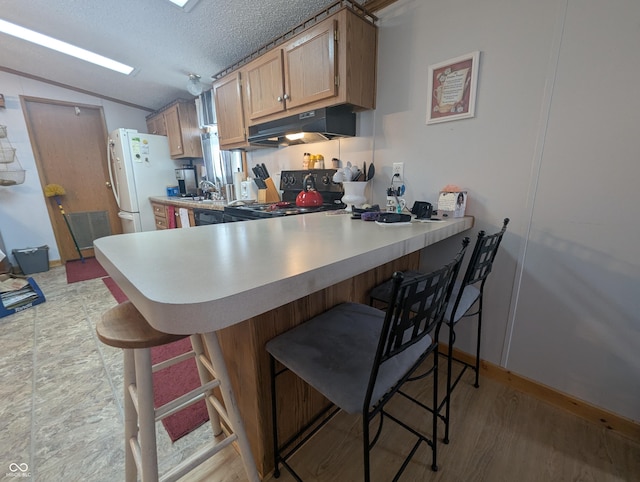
{"x": 61, "y": 415}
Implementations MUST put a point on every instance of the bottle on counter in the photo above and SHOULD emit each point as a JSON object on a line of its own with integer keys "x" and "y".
{"x": 305, "y": 160}
{"x": 319, "y": 164}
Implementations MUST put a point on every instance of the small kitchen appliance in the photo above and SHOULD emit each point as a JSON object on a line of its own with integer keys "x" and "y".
{"x": 187, "y": 181}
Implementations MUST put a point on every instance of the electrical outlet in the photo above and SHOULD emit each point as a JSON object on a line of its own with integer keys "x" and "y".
{"x": 398, "y": 168}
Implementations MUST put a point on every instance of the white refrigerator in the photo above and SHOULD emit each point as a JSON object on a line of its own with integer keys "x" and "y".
{"x": 140, "y": 166}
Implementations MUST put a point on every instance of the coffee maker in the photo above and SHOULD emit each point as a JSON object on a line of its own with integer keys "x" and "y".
{"x": 187, "y": 181}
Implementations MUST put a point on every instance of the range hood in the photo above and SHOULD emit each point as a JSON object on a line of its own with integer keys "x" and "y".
{"x": 317, "y": 125}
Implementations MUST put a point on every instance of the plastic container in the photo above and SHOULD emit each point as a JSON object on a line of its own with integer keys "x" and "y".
{"x": 32, "y": 260}
{"x": 172, "y": 191}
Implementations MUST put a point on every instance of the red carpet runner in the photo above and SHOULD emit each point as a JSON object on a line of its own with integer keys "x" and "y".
{"x": 79, "y": 270}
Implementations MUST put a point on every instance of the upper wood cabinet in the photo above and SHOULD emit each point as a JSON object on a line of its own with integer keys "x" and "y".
{"x": 264, "y": 92}
{"x": 156, "y": 125}
{"x": 331, "y": 63}
{"x": 301, "y": 72}
{"x": 179, "y": 122}
{"x": 227, "y": 94}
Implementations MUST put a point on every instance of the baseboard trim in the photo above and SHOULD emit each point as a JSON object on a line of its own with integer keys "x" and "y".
{"x": 607, "y": 420}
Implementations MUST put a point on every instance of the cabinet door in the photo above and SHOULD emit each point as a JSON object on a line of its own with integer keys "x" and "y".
{"x": 264, "y": 91}
{"x": 310, "y": 65}
{"x": 227, "y": 94}
{"x": 155, "y": 125}
{"x": 174, "y": 130}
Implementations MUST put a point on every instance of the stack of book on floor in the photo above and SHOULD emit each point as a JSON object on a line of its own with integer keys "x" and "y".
{"x": 17, "y": 294}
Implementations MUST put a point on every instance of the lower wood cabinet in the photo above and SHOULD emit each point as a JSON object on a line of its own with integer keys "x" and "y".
{"x": 160, "y": 213}
{"x": 163, "y": 214}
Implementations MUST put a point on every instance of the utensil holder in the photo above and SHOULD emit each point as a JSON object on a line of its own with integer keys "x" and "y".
{"x": 354, "y": 194}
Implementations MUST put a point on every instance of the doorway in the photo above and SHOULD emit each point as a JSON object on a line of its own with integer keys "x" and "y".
{"x": 69, "y": 143}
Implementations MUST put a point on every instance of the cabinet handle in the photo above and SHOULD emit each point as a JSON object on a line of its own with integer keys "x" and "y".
{"x": 286, "y": 96}
{"x": 279, "y": 99}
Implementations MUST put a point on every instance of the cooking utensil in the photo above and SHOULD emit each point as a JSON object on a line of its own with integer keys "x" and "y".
{"x": 309, "y": 197}
{"x": 264, "y": 170}
{"x": 371, "y": 172}
{"x": 364, "y": 171}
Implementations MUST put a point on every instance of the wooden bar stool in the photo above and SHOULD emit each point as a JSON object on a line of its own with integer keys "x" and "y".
{"x": 124, "y": 327}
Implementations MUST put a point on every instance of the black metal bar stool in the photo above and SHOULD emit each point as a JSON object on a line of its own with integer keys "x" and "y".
{"x": 467, "y": 293}
{"x": 359, "y": 357}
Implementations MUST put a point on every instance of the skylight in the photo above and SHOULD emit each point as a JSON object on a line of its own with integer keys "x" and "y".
{"x": 51, "y": 43}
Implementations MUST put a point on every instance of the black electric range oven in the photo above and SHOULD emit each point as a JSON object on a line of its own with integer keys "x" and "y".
{"x": 291, "y": 183}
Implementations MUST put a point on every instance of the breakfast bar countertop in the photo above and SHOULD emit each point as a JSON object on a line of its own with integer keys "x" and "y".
{"x": 203, "y": 279}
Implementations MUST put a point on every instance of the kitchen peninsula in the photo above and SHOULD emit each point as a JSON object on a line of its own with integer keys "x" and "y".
{"x": 250, "y": 281}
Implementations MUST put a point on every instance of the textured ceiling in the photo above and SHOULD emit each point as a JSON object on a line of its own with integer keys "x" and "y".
{"x": 162, "y": 42}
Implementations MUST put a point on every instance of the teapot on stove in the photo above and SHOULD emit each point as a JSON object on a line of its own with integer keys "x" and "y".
{"x": 309, "y": 197}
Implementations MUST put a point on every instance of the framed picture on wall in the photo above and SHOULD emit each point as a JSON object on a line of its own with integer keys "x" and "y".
{"x": 452, "y": 88}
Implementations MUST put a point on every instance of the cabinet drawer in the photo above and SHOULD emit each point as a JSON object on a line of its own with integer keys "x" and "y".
{"x": 160, "y": 215}
{"x": 161, "y": 223}
{"x": 159, "y": 211}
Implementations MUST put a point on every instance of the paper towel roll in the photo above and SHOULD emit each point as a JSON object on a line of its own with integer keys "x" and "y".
{"x": 238, "y": 177}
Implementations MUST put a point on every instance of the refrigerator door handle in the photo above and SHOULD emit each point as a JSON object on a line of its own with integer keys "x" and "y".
{"x": 110, "y": 159}
{"x": 127, "y": 216}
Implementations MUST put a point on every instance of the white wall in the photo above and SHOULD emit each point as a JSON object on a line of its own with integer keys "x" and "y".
{"x": 24, "y": 221}
{"x": 554, "y": 147}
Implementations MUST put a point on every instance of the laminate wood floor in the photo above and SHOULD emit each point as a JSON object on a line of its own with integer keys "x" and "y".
{"x": 61, "y": 417}
{"x": 498, "y": 434}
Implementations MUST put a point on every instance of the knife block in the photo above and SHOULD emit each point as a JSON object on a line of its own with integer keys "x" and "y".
{"x": 271, "y": 194}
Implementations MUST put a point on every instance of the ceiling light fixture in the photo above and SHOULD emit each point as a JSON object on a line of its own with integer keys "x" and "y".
{"x": 186, "y": 5}
{"x": 63, "y": 47}
{"x": 194, "y": 86}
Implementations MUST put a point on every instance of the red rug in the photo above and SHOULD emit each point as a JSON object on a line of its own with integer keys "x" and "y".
{"x": 172, "y": 382}
{"x": 79, "y": 270}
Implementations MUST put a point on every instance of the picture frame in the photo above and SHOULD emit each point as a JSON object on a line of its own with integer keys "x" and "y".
{"x": 452, "y": 86}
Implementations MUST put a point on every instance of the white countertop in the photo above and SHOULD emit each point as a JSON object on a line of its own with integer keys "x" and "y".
{"x": 198, "y": 280}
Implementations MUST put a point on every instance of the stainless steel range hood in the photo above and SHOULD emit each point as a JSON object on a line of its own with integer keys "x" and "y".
{"x": 316, "y": 125}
